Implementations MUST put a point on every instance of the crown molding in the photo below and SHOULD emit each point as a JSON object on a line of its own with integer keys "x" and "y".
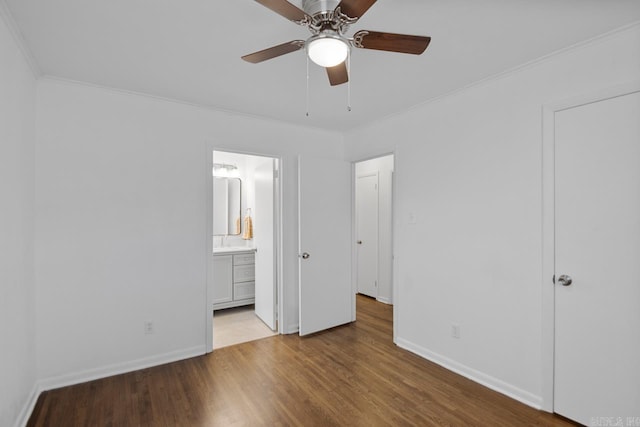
{"x": 7, "y": 17}
{"x": 200, "y": 106}
{"x": 633, "y": 26}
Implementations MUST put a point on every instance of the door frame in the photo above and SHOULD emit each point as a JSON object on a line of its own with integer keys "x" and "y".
{"x": 548, "y": 225}
{"x": 210, "y": 147}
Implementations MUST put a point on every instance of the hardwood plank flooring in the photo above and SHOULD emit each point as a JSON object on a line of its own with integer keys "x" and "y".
{"x": 349, "y": 376}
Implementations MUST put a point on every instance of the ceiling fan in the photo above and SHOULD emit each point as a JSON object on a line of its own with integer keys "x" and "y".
{"x": 328, "y": 46}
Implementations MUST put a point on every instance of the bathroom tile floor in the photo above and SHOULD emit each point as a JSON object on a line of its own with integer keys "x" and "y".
{"x": 238, "y": 325}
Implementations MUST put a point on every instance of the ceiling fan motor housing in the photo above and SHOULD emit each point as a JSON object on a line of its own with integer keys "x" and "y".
{"x": 325, "y": 15}
{"x": 313, "y": 7}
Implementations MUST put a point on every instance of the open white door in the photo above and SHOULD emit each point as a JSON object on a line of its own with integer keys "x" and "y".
{"x": 264, "y": 227}
{"x": 324, "y": 220}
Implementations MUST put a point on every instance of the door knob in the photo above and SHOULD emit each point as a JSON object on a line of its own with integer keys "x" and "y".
{"x": 565, "y": 280}
{"x": 305, "y": 255}
{"x": 359, "y": 242}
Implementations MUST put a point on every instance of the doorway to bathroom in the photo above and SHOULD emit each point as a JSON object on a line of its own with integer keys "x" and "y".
{"x": 245, "y": 229}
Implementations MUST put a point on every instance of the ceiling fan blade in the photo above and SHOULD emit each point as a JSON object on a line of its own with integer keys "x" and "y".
{"x": 391, "y": 42}
{"x": 338, "y": 74}
{"x": 273, "y": 52}
{"x": 355, "y": 8}
{"x": 286, "y": 9}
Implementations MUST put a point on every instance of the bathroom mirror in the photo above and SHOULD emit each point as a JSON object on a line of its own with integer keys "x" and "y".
{"x": 226, "y": 206}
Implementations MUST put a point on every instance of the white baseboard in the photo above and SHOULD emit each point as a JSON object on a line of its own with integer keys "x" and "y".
{"x": 384, "y": 300}
{"x": 27, "y": 409}
{"x": 119, "y": 368}
{"x": 103, "y": 372}
{"x": 495, "y": 384}
{"x": 291, "y": 329}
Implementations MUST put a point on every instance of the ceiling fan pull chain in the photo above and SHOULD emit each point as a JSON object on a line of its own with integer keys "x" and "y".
{"x": 307, "y": 85}
{"x": 349, "y": 81}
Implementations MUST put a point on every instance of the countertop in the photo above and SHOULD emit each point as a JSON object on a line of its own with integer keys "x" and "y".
{"x": 232, "y": 250}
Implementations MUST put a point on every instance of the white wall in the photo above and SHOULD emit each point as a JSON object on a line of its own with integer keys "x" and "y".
{"x": 121, "y": 233}
{"x": 469, "y": 167}
{"x": 384, "y": 167}
{"x": 17, "y": 289}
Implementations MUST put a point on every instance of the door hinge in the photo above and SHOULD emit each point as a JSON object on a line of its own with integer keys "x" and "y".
{"x": 276, "y": 174}
{"x": 375, "y": 283}
{"x": 554, "y": 279}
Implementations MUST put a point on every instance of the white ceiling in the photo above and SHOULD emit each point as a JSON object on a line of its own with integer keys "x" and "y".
{"x": 190, "y": 50}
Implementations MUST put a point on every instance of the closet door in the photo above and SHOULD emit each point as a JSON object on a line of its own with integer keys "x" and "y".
{"x": 597, "y": 291}
{"x": 367, "y": 234}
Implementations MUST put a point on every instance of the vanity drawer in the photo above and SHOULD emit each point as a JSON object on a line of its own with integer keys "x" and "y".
{"x": 244, "y": 290}
{"x": 244, "y": 259}
{"x": 244, "y": 273}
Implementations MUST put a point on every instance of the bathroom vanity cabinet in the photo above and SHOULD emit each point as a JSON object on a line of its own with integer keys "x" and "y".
{"x": 233, "y": 278}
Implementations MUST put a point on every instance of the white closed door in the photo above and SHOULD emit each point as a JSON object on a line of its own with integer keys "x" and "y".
{"x": 324, "y": 220}
{"x": 265, "y": 242}
{"x": 367, "y": 234}
{"x": 597, "y": 290}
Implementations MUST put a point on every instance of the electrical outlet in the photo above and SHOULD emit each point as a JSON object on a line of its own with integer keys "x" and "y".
{"x": 148, "y": 327}
{"x": 455, "y": 331}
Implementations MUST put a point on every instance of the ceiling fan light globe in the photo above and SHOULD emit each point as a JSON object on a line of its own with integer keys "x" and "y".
{"x": 327, "y": 51}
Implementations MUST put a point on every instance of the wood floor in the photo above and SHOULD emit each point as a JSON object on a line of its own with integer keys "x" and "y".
{"x": 349, "y": 376}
